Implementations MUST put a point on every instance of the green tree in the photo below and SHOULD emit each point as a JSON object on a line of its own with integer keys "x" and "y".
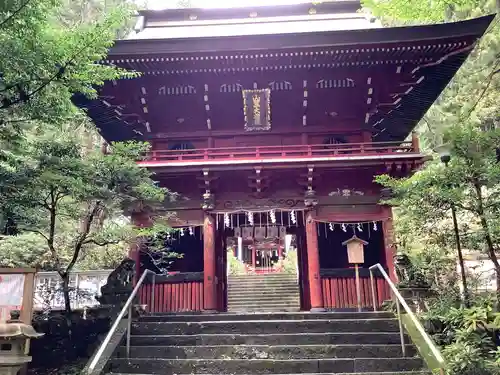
{"x": 42, "y": 64}
{"x": 471, "y": 183}
{"x": 71, "y": 199}
{"x": 30, "y": 250}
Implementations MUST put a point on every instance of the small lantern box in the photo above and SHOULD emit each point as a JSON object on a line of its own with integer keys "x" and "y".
{"x": 15, "y": 339}
{"x": 355, "y": 250}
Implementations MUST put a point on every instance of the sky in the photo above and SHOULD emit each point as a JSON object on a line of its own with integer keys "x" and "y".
{"x": 163, "y": 4}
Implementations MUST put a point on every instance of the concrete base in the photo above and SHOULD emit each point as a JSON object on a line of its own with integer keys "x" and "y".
{"x": 209, "y": 311}
{"x": 317, "y": 309}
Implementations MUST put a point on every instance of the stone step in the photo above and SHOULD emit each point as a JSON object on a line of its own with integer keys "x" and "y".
{"x": 286, "y": 281}
{"x": 265, "y": 301}
{"x": 277, "y": 289}
{"x": 264, "y": 298}
{"x": 246, "y": 310}
{"x": 191, "y": 317}
{"x": 335, "y": 338}
{"x": 267, "y": 276}
{"x": 267, "y": 352}
{"x": 269, "y": 302}
{"x": 260, "y": 286}
{"x": 263, "y": 308}
{"x": 266, "y": 326}
{"x": 326, "y": 373}
{"x": 262, "y": 366}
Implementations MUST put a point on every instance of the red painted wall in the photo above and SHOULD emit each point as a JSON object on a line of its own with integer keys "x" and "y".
{"x": 340, "y": 293}
{"x": 173, "y": 297}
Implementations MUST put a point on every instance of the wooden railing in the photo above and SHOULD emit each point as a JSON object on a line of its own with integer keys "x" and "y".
{"x": 339, "y": 289}
{"x": 281, "y": 152}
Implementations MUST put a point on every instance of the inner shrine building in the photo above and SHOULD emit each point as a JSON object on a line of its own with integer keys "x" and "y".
{"x": 271, "y": 124}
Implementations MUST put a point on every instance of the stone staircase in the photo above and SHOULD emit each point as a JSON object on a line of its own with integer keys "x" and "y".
{"x": 364, "y": 343}
{"x": 263, "y": 292}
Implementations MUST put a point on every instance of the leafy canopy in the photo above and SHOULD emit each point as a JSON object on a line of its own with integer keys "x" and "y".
{"x": 60, "y": 187}
{"x": 43, "y": 64}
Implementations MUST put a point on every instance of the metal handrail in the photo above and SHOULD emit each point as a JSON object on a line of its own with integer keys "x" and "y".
{"x": 126, "y": 308}
{"x": 401, "y": 301}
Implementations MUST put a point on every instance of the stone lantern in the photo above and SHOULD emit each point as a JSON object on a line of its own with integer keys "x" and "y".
{"x": 15, "y": 339}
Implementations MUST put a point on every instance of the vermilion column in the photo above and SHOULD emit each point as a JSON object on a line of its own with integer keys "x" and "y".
{"x": 209, "y": 280}
{"x": 390, "y": 248}
{"x": 140, "y": 220}
{"x": 313, "y": 264}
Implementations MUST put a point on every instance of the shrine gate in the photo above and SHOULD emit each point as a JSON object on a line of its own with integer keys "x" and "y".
{"x": 271, "y": 123}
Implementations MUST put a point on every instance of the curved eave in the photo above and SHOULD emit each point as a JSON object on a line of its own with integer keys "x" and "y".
{"x": 133, "y": 47}
{"x": 400, "y": 121}
{"x": 110, "y": 126}
{"x": 397, "y": 122}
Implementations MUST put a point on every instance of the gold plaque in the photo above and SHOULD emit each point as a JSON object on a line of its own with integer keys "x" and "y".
{"x": 257, "y": 109}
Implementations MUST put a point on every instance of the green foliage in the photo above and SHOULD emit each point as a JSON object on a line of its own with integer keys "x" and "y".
{"x": 74, "y": 200}
{"x": 470, "y": 182}
{"x": 467, "y": 335}
{"x": 30, "y": 250}
{"x": 289, "y": 264}
{"x": 25, "y": 250}
{"x": 467, "y": 116}
{"x": 42, "y": 64}
{"x": 235, "y": 266}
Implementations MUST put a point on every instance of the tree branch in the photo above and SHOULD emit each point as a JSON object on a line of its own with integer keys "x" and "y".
{"x": 52, "y": 230}
{"x": 15, "y": 13}
{"x": 25, "y": 97}
{"x": 100, "y": 243}
{"x": 86, "y": 225}
{"x": 483, "y": 92}
{"x": 37, "y": 232}
{"x": 465, "y": 208}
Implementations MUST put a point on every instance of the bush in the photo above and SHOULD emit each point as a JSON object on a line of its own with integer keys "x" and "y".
{"x": 68, "y": 343}
{"x": 468, "y": 336}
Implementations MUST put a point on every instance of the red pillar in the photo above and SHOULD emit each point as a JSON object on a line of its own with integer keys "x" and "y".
{"x": 390, "y": 248}
{"x": 141, "y": 220}
{"x": 315, "y": 291}
{"x": 209, "y": 278}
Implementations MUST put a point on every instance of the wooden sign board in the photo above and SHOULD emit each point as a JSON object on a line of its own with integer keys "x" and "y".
{"x": 247, "y": 232}
{"x": 272, "y": 232}
{"x": 260, "y": 233}
{"x": 355, "y": 250}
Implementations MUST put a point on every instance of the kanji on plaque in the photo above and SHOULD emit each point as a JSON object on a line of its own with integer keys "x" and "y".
{"x": 257, "y": 109}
